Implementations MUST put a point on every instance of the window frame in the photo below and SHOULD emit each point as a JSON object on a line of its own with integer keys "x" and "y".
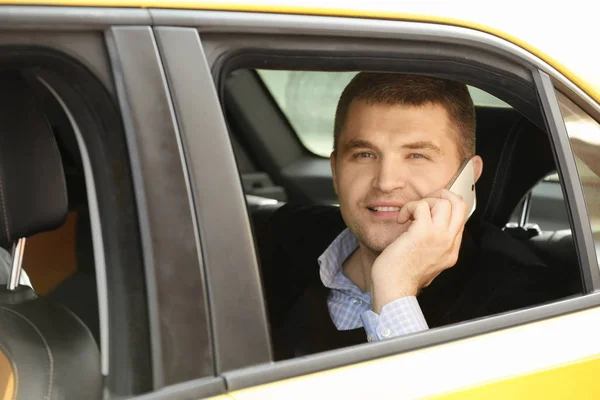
{"x": 177, "y": 303}
{"x": 219, "y": 202}
{"x": 570, "y": 183}
{"x": 225, "y": 23}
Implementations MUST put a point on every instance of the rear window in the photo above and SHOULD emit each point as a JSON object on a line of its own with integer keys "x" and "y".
{"x": 309, "y": 99}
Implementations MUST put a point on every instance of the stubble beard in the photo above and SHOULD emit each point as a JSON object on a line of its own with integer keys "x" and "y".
{"x": 378, "y": 237}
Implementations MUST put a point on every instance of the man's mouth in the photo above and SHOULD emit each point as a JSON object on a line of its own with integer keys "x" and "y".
{"x": 384, "y": 209}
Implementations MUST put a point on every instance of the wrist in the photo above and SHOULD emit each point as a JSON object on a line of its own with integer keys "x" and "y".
{"x": 388, "y": 291}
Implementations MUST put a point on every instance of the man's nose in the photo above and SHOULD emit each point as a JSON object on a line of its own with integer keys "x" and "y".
{"x": 390, "y": 176}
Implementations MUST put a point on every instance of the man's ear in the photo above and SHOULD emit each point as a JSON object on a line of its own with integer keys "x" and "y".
{"x": 477, "y": 167}
{"x": 332, "y": 163}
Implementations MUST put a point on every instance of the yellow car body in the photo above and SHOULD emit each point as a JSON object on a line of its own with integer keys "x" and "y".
{"x": 554, "y": 358}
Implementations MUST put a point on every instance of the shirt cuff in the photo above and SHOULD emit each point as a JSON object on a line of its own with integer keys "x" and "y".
{"x": 399, "y": 317}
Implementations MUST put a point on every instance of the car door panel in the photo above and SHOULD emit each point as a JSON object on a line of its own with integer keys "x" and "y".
{"x": 491, "y": 365}
{"x": 505, "y": 337}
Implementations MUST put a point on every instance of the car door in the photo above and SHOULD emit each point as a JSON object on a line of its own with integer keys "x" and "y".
{"x": 100, "y": 78}
{"x": 516, "y": 350}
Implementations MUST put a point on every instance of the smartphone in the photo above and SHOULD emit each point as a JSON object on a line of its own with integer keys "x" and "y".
{"x": 463, "y": 183}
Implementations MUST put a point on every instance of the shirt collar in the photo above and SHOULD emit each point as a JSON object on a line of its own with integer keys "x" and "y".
{"x": 330, "y": 262}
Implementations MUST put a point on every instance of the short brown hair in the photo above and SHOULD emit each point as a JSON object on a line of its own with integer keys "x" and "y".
{"x": 412, "y": 90}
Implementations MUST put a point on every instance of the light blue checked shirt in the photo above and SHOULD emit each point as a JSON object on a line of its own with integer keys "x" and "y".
{"x": 350, "y": 308}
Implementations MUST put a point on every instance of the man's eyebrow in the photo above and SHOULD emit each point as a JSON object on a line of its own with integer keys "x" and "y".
{"x": 357, "y": 144}
{"x": 422, "y": 145}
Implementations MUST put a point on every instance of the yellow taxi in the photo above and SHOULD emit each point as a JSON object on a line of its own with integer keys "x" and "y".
{"x": 145, "y": 145}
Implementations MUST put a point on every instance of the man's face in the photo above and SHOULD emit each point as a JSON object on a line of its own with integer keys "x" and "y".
{"x": 386, "y": 157}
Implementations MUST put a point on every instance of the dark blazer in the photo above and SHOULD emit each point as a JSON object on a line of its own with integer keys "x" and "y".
{"x": 494, "y": 273}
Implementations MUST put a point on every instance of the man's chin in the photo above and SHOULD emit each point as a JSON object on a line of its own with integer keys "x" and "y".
{"x": 378, "y": 240}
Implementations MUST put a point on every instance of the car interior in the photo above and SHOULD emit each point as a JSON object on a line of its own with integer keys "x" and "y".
{"x": 276, "y": 169}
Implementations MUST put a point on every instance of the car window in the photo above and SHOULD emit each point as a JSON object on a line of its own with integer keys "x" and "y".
{"x": 309, "y": 99}
{"x": 584, "y": 135}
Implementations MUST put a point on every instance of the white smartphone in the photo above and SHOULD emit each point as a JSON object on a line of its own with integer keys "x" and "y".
{"x": 463, "y": 183}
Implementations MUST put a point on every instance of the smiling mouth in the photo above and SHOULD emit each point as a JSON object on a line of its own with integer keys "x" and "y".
{"x": 384, "y": 209}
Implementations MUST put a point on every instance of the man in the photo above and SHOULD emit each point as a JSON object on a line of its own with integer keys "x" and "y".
{"x": 404, "y": 262}
{"x": 393, "y": 154}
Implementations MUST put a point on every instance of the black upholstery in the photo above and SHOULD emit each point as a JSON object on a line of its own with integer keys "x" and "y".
{"x": 516, "y": 155}
{"x": 49, "y": 349}
{"x": 557, "y": 249}
{"x": 559, "y": 242}
{"x": 33, "y": 193}
{"x": 52, "y": 353}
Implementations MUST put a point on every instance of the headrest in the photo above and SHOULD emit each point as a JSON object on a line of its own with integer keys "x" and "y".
{"x": 33, "y": 192}
{"x": 516, "y": 155}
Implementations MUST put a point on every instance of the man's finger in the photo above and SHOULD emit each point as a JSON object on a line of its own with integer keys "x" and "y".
{"x": 459, "y": 210}
{"x": 441, "y": 213}
{"x": 418, "y": 211}
{"x": 455, "y": 201}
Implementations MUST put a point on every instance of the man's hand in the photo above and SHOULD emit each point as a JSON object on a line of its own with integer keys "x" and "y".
{"x": 428, "y": 247}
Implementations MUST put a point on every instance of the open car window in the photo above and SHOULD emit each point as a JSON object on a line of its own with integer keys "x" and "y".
{"x": 505, "y": 138}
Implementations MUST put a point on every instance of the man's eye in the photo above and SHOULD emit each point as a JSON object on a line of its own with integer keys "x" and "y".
{"x": 417, "y": 156}
{"x": 364, "y": 154}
